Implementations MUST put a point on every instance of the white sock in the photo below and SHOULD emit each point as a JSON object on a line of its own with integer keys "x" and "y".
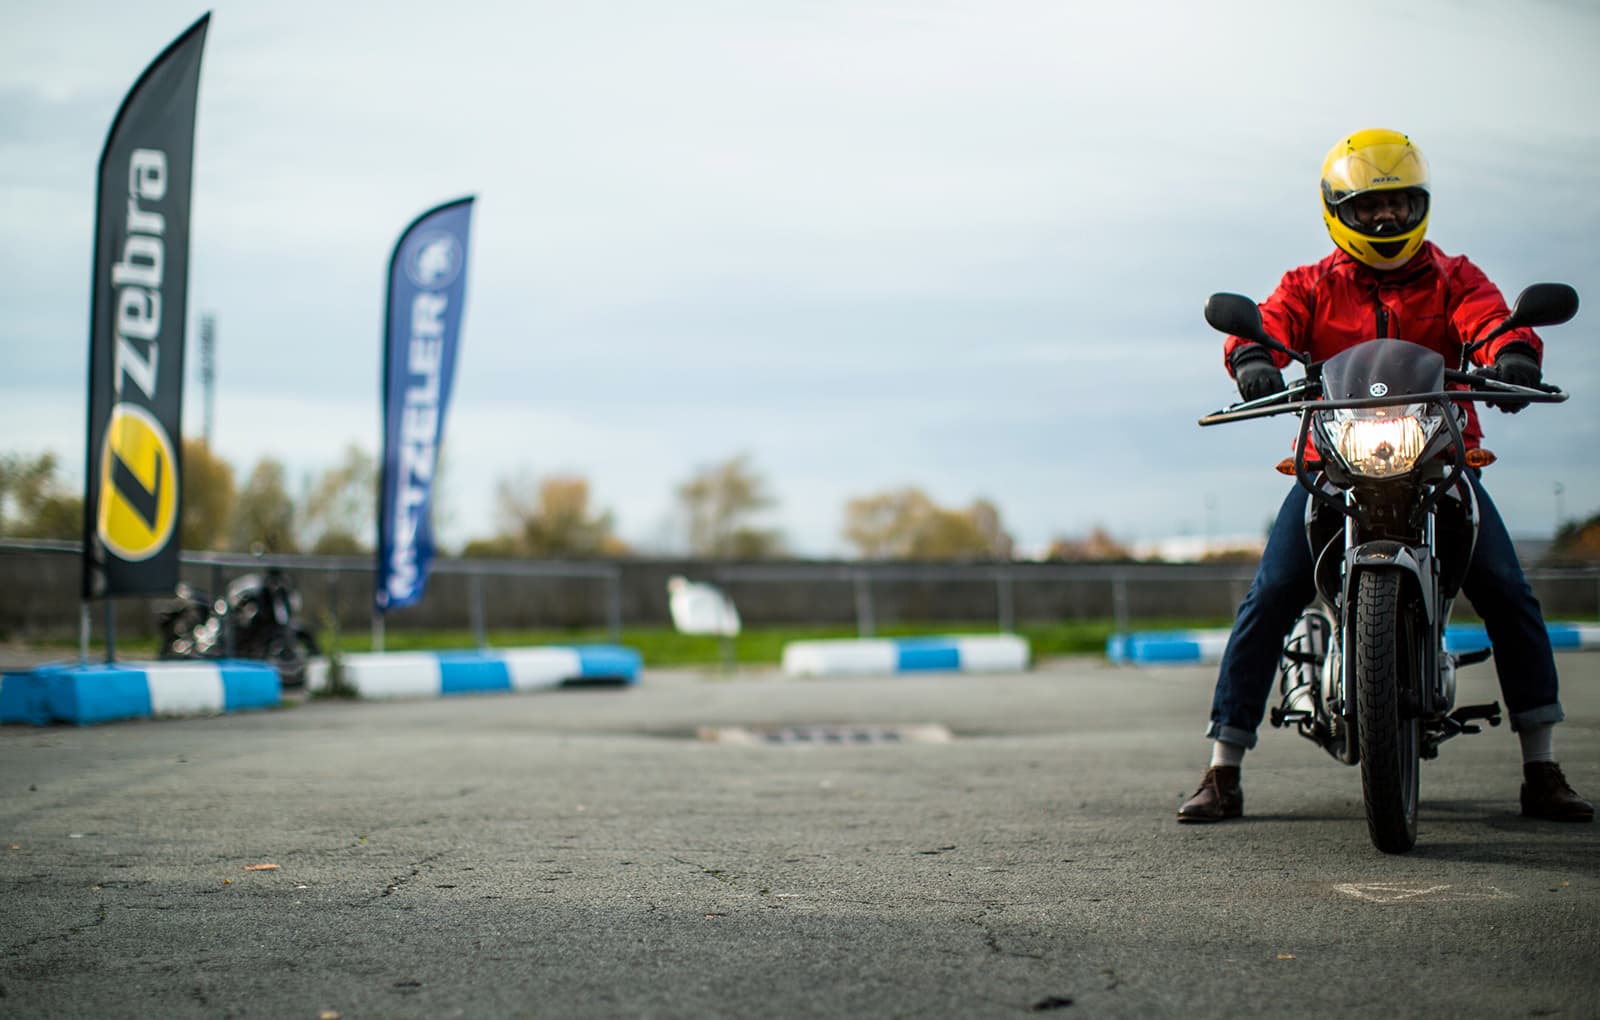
{"x": 1226, "y": 754}
{"x": 1538, "y": 743}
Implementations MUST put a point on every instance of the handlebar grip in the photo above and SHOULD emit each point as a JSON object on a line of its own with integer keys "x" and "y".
{"x": 1473, "y": 378}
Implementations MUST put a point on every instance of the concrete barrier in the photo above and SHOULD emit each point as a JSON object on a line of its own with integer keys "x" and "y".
{"x": 1564, "y": 637}
{"x": 1193, "y": 646}
{"x": 1156, "y": 647}
{"x": 84, "y": 694}
{"x": 439, "y": 674}
{"x": 966, "y": 653}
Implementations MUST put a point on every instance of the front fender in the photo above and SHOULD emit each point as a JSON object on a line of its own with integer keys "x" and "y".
{"x": 1419, "y": 572}
{"x": 1415, "y": 562}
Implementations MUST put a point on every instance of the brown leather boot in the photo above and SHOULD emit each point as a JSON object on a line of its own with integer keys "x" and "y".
{"x": 1219, "y": 797}
{"x": 1545, "y": 794}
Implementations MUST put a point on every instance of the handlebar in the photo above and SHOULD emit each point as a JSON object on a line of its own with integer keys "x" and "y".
{"x": 1295, "y": 398}
{"x": 1482, "y": 376}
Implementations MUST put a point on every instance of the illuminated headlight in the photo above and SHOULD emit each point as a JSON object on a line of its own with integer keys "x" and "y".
{"x": 1379, "y": 442}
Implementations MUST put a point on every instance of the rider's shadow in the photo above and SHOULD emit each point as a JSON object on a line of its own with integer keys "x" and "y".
{"x": 1316, "y": 814}
{"x": 1470, "y": 832}
{"x": 1457, "y": 834}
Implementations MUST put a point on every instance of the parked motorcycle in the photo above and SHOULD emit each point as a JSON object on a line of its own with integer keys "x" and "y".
{"x": 258, "y": 617}
{"x": 1392, "y": 524}
{"x": 192, "y": 627}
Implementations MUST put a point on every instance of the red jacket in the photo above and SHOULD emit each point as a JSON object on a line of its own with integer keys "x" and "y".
{"x": 1440, "y": 301}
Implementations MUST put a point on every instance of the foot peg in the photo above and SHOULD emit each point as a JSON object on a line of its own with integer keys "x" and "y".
{"x": 1281, "y": 717}
{"x": 1467, "y": 713}
{"x": 1441, "y": 728}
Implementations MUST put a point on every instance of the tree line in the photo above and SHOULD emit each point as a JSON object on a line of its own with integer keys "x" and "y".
{"x": 720, "y": 508}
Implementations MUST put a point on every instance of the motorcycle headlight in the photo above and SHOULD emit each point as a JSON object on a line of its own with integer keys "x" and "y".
{"x": 1380, "y": 442}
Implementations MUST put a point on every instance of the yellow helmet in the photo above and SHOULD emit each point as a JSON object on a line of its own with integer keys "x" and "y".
{"x": 1371, "y": 161}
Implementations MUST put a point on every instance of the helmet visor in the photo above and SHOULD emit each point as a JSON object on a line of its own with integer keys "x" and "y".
{"x": 1383, "y": 213}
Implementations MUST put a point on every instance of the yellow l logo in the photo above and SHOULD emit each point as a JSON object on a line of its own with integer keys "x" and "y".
{"x": 138, "y": 485}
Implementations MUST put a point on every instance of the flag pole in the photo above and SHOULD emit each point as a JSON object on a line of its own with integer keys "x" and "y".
{"x": 83, "y": 632}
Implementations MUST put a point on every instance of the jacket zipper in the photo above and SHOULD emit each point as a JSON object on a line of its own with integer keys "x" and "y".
{"x": 1383, "y": 320}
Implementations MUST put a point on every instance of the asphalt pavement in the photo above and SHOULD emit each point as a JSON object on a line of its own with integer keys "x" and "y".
{"x": 588, "y": 853}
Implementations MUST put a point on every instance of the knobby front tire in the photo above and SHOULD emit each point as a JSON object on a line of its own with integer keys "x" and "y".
{"x": 1385, "y": 657}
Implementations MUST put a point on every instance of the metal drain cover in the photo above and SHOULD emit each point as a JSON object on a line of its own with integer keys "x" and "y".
{"x": 827, "y": 735}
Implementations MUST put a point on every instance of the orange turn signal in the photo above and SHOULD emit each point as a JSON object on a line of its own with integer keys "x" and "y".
{"x": 1286, "y": 465}
{"x": 1480, "y": 458}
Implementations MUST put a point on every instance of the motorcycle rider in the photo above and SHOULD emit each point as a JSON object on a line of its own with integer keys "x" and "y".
{"x": 1384, "y": 280}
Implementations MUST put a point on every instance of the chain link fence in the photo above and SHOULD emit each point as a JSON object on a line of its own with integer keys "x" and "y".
{"x": 40, "y": 593}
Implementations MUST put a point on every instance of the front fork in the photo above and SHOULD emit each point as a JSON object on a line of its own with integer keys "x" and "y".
{"x": 1315, "y": 681}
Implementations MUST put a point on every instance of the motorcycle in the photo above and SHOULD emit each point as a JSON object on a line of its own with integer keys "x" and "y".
{"x": 1392, "y": 524}
{"x": 258, "y": 617}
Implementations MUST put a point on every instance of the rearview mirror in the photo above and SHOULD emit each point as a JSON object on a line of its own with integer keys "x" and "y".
{"x": 1236, "y": 315}
{"x": 1542, "y": 304}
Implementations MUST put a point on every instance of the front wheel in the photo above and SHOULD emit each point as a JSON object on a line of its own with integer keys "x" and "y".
{"x": 180, "y": 630}
{"x": 290, "y": 654}
{"x": 1386, "y": 657}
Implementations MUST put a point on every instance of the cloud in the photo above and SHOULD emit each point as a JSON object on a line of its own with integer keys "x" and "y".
{"x": 956, "y": 245}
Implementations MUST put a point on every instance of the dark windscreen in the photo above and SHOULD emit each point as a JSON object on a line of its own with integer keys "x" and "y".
{"x": 1382, "y": 367}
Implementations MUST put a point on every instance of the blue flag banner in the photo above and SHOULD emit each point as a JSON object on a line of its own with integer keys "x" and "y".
{"x": 427, "y": 287}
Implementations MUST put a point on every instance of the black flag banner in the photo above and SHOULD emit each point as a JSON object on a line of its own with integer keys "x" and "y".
{"x": 136, "y": 330}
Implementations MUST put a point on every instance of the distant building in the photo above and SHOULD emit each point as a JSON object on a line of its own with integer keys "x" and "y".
{"x": 1531, "y": 548}
{"x": 1197, "y": 548}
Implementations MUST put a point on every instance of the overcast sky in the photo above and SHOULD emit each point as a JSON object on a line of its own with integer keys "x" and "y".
{"x": 956, "y": 244}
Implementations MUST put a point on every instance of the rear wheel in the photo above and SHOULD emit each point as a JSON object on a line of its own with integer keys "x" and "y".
{"x": 1386, "y": 658}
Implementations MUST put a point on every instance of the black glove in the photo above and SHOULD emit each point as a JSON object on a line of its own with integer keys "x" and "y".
{"x": 1255, "y": 372}
{"x": 1517, "y": 365}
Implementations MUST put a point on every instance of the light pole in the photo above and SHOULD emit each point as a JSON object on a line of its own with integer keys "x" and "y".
{"x": 1211, "y": 522}
{"x": 1561, "y": 514}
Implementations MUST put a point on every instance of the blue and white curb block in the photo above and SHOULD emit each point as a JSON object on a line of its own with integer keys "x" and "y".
{"x": 1564, "y": 637}
{"x": 1156, "y": 647}
{"x": 84, "y": 694}
{"x": 977, "y": 653}
{"x": 1205, "y": 646}
{"x": 440, "y": 674}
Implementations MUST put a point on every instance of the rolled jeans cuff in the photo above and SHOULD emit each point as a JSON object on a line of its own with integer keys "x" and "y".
{"x": 1541, "y": 716}
{"x": 1246, "y": 738}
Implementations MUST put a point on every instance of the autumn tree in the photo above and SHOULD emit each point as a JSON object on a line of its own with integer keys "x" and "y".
{"x": 35, "y": 502}
{"x": 719, "y": 503}
{"x": 264, "y": 514}
{"x": 1577, "y": 542}
{"x": 339, "y": 510}
{"x": 906, "y": 524}
{"x": 1098, "y": 545}
{"x": 883, "y": 526}
{"x": 985, "y": 516}
{"x": 548, "y": 518}
{"x": 208, "y": 495}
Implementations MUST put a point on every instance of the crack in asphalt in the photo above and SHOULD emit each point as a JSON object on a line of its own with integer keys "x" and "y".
{"x": 397, "y": 881}
{"x": 101, "y": 912}
{"x": 991, "y": 939}
{"x": 717, "y": 873}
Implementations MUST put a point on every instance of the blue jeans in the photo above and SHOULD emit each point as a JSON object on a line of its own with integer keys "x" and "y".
{"x": 1283, "y": 586}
